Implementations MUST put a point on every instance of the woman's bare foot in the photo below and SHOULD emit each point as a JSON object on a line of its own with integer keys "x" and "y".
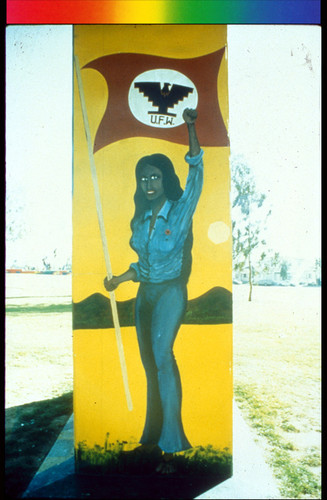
{"x": 166, "y": 466}
{"x": 144, "y": 449}
{"x": 147, "y": 448}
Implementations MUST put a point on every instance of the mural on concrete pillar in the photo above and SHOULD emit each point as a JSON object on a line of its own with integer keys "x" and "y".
{"x": 152, "y": 301}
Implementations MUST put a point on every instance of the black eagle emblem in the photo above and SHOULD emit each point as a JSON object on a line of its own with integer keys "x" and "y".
{"x": 165, "y": 97}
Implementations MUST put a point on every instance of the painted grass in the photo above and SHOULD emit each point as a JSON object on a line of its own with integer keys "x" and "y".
{"x": 116, "y": 458}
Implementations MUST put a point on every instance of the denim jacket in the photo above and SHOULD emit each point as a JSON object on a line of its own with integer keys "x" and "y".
{"x": 161, "y": 253}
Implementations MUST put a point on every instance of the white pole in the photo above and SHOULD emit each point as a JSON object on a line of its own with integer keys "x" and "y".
{"x": 103, "y": 235}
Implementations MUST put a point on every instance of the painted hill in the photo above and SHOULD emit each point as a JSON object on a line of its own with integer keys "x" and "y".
{"x": 212, "y": 308}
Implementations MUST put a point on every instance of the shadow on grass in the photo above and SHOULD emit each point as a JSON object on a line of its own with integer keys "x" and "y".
{"x": 31, "y": 431}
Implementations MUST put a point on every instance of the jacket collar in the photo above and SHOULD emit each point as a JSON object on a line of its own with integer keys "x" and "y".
{"x": 164, "y": 211}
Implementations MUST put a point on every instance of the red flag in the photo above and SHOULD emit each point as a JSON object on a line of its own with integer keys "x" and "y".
{"x": 147, "y": 94}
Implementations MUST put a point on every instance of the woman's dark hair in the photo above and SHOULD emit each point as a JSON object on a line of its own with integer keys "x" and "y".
{"x": 170, "y": 181}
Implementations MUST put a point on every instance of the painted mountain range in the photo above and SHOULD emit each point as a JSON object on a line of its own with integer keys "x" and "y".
{"x": 212, "y": 308}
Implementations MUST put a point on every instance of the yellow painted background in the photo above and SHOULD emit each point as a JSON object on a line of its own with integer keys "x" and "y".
{"x": 203, "y": 353}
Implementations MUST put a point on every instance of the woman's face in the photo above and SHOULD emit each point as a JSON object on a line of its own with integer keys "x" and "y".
{"x": 151, "y": 183}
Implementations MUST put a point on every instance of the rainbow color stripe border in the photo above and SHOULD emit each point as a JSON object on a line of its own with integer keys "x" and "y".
{"x": 163, "y": 11}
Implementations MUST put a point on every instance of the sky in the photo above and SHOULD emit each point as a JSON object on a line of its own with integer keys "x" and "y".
{"x": 274, "y": 123}
{"x": 274, "y": 79}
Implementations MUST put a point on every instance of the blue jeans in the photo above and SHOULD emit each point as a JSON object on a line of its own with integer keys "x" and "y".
{"x": 159, "y": 311}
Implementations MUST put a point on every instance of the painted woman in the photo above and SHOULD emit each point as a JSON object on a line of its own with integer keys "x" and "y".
{"x": 162, "y": 238}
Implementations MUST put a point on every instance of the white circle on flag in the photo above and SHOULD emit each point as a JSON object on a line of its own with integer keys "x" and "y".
{"x": 158, "y": 97}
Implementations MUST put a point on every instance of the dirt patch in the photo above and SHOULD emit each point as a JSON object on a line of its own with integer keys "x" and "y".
{"x": 39, "y": 358}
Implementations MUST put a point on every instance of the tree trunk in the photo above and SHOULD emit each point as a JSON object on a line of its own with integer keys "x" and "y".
{"x": 250, "y": 280}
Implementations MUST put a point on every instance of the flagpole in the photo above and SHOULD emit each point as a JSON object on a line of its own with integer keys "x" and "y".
{"x": 103, "y": 235}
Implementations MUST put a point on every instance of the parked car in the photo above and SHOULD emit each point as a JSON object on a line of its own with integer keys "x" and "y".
{"x": 310, "y": 283}
{"x": 267, "y": 282}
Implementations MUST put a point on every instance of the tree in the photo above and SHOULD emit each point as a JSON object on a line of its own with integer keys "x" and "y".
{"x": 317, "y": 268}
{"x": 15, "y": 228}
{"x": 272, "y": 262}
{"x": 284, "y": 270}
{"x": 247, "y": 221}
